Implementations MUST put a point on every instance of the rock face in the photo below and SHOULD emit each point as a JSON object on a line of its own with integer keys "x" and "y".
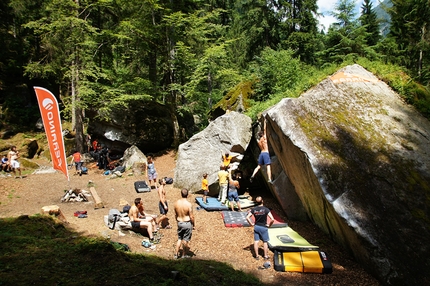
{"x": 145, "y": 124}
{"x": 358, "y": 159}
{"x": 202, "y": 152}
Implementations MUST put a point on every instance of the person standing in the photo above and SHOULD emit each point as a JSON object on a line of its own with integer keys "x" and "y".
{"x": 205, "y": 188}
{"x": 223, "y": 184}
{"x": 261, "y": 232}
{"x": 76, "y": 159}
{"x": 151, "y": 171}
{"x": 233, "y": 196}
{"x": 88, "y": 142}
{"x": 162, "y": 204}
{"x": 264, "y": 158}
{"x": 186, "y": 224}
{"x": 12, "y": 159}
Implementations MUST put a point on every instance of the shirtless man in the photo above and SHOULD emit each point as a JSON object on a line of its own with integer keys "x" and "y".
{"x": 264, "y": 158}
{"x": 186, "y": 223}
{"x": 162, "y": 204}
{"x": 139, "y": 219}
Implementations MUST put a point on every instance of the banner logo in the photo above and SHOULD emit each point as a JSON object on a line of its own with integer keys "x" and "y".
{"x": 48, "y": 104}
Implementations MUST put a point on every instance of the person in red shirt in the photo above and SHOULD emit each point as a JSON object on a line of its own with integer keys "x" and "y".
{"x": 76, "y": 159}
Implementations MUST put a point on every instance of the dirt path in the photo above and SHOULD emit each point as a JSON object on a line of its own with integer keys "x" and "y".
{"x": 211, "y": 239}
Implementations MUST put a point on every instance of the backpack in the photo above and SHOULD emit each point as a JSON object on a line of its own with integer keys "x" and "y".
{"x": 126, "y": 209}
{"x": 120, "y": 169}
{"x": 115, "y": 216}
{"x": 84, "y": 170}
{"x": 168, "y": 180}
{"x": 141, "y": 187}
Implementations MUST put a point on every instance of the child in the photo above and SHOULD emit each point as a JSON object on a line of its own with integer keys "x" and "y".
{"x": 4, "y": 164}
{"x": 151, "y": 172}
{"x": 205, "y": 188}
{"x": 76, "y": 158}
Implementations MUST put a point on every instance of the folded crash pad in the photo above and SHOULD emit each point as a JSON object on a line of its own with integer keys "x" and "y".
{"x": 313, "y": 261}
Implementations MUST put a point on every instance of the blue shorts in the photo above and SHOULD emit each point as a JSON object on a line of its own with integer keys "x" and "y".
{"x": 163, "y": 211}
{"x": 261, "y": 233}
{"x": 264, "y": 158}
{"x": 233, "y": 196}
{"x": 185, "y": 230}
{"x": 78, "y": 165}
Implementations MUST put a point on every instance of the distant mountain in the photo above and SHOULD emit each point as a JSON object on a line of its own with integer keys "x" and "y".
{"x": 384, "y": 17}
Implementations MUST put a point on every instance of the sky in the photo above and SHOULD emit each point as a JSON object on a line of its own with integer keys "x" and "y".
{"x": 326, "y": 6}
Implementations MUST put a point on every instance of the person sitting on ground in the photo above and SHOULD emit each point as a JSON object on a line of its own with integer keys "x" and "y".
{"x": 186, "y": 224}
{"x": 4, "y": 164}
{"x": 12, "y": 159}
{"x": 233, "y": 196}
{"x": 205, "y": 188}
{"x": 162, "y": 204}
{"x": 139, "y": 219}
{"x": 261, "y": 226}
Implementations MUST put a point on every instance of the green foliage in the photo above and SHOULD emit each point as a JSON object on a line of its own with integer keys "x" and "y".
{"x": 279, "y": 75}
{"x": 410, "y": 26}
{"x": 369, "y": 20}
{"x": 398, "y": 79}
{"x": 40, "y": 250}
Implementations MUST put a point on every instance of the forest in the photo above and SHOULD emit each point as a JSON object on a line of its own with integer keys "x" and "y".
{"x": 97, "y": 55}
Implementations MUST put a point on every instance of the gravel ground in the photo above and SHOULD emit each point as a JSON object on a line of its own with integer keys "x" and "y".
{"x": 211, "y": 239}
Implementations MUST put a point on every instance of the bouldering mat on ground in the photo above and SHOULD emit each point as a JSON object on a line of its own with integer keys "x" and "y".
{"x": 313, "y": 261}
{"x": 245, "y": 202}
{"x": 286, "y": 239}
{"x": 215, "y": 205}
{"x": 279, "y": 222}
{"x": 235, "y": 219}
{"x": 212, "y": 205}
{"x": 238, "y": 219}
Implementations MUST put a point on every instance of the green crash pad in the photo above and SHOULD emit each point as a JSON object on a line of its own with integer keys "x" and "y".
{"x": 286, "y": 239}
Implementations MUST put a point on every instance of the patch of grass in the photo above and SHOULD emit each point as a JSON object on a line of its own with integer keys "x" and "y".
{"x": 11, "y": 195}
{"x": 38, "y": 250}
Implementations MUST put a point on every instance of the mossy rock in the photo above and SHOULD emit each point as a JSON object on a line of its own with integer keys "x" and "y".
{"x": 236, "y": 100}
{"x": 27, "y": 164}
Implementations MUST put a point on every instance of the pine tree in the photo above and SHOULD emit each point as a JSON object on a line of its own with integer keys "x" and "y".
{"x": 369, "y": 20}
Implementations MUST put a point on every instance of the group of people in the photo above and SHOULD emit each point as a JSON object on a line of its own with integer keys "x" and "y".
{"x": 183, "y": 213}
{"x": 10, "y": 163}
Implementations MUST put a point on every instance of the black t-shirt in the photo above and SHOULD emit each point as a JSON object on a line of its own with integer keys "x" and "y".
{"x": 260, "y": 214}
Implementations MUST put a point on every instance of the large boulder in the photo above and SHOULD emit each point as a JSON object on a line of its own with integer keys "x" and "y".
{"x": 134, "y": 157}
{"x": 202, "y": 152}
{"x": 358, "y": 159}
{"x": 145, "y": 124}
